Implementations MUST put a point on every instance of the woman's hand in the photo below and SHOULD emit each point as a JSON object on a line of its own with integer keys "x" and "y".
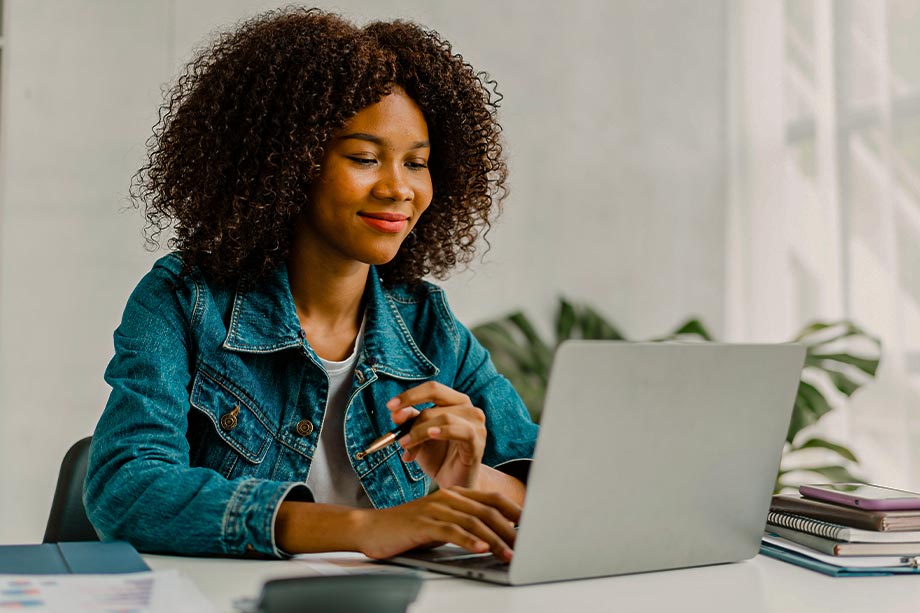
{"x": 477, "y": 521}
{"x": 448, "y": 439}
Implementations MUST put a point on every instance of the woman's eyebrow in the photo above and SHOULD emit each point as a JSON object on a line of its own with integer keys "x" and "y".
{"x": 422, "y": 144}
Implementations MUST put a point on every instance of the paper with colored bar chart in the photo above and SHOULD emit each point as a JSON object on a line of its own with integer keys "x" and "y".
{"x": 150, "y": 592}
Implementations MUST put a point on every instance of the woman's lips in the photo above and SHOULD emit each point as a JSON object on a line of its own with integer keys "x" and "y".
{"x": 389, "y": 223}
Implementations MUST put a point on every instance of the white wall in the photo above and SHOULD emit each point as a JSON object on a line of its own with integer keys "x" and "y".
{"x": 614, "y": 115}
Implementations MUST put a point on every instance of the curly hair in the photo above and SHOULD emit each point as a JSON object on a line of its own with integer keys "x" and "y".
{"x": 239, "y": 141}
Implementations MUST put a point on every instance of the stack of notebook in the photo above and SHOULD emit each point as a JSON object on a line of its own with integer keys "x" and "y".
{"x": 842, "y": 541}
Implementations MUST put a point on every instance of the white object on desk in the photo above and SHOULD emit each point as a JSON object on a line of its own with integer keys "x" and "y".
{"x": 761, "y": 585}
{"x": 148, "y": 592}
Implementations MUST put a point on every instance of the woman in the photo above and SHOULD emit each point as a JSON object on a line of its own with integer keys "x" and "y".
{"x": 312, "y": 173}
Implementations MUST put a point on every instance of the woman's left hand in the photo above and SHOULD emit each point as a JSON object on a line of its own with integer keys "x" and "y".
{"x": 448, "y": 439}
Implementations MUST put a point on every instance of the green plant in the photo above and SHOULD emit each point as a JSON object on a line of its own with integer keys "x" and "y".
{"x": 830, "y": 373}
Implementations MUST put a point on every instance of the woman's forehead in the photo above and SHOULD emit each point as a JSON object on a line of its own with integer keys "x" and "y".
{"x": 395, "y": 118}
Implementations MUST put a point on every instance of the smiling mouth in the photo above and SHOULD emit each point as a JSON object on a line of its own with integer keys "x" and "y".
{"x": 389, "y": 223}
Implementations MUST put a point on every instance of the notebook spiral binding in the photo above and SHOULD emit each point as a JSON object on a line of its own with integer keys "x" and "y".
{"x": 805, "y": 524}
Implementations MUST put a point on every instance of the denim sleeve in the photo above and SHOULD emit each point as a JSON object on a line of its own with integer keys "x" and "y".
{"x": 139, "y": 485}
{"x": 512, "y": 434}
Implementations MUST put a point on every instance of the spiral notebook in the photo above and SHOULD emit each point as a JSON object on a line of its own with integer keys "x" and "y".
{"x": 839, "y": 532}
{"x": 884, "y": 521}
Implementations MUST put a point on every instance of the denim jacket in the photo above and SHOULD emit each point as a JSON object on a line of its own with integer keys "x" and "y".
{"x": 217, "y": 404}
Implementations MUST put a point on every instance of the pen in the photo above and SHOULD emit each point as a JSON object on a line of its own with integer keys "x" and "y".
{"x": 387, "y": 439}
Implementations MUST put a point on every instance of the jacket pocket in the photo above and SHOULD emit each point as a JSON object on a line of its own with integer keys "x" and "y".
{"x": 236, "y": 422}
{"x": 413, "y": 469}
{"x": 418, "y": 482}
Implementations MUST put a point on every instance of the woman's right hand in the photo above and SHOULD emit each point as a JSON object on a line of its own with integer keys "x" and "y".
{"x": 474, "y": 520}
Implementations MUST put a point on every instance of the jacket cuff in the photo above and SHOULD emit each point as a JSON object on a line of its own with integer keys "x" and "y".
{"x": 298, "y": 492}
{"x": 249, "y": 522}
{"x": 519, "y": 468}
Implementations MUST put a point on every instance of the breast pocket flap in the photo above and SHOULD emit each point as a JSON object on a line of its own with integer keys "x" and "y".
{"x": 235, "y": 419}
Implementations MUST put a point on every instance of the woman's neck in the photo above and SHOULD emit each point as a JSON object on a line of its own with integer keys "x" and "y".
{"x": 328, "y": 297}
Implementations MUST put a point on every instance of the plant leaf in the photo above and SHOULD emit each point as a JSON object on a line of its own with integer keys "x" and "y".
{"x": 781, "y": 483}
{"x": 803, "y": 415}
{"x": 505, "y": 348}
{"x": 821, "y": 443}
{"x": 816, "y": 400}
{"x": 810, "y": 406}
{"x": 527, "y": 329}
{"x": 842, "y": 382}
{"x": 847, "y": 329}
{"x": 542, "y": 354}
{"x": 867, "y": 365}
{"x": 494, "y": 328}
{"x": 834, "y": 474}
{"x": 694, "y": 327}
{"x": 810, "y": 329}
{"x": 594, "y": 326}
{"x": 565, "y": 320}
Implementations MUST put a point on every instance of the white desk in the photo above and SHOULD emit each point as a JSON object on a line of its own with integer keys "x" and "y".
{"x": 761, "y": 585}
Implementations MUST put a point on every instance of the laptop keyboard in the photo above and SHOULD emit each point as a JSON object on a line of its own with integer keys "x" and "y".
{"x": 480, "y": 561}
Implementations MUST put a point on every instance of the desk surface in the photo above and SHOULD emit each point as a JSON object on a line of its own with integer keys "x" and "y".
{"x": 761, "y": 585}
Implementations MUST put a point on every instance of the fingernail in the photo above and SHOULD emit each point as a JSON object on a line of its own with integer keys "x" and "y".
{"x": 434, "y": 431}
{"x": 508, "y": 554}
{"x": 393, "y": 403}
{"x": 480, "y": 545}
{"x": 405, "y": 440}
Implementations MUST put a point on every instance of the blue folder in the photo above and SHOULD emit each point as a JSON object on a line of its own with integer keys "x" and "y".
{"x": 71, "y": 558}
{"x": 774, "y": 551}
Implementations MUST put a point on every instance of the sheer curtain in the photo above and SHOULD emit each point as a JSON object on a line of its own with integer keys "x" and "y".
{"x": 824, "y": 191}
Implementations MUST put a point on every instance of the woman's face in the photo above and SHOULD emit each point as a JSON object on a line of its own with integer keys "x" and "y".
{"x": 374, "y": 184}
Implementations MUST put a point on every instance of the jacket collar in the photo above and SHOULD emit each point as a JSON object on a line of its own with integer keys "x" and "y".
{"x": 264, "y": 320}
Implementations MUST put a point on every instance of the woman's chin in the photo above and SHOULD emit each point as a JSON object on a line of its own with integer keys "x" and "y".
{"x": 380, "y": 253}
{"x": 378, "y": 258}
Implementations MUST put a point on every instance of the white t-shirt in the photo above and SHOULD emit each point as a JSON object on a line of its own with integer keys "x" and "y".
{"x": 332, "y": 478}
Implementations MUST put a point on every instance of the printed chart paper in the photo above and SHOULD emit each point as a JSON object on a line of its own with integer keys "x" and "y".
{"x": 150, "y": 592}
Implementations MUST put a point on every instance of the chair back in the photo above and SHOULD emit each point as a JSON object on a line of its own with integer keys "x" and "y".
{"x": 67, "y": 521}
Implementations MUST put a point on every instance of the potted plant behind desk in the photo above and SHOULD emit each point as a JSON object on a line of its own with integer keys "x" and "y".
{"x": 831, "y": 374}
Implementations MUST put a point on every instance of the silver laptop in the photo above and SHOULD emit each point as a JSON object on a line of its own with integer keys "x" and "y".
{"x": 651, "y": 456}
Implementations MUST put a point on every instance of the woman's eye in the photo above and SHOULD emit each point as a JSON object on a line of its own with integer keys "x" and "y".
{"x": 417, "y": 165}
{"x": 361, "y": 161}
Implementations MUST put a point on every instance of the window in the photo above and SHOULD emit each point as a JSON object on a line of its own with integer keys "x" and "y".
{"x": 848, "y": 160}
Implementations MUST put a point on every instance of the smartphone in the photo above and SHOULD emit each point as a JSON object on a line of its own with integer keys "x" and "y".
{"x": 863, "y": 496}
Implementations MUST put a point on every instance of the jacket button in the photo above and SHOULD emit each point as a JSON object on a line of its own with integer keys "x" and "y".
{"x": 359, "y": 376}
{"x": 229, "y": 421}
{"x": 304, "y": 427}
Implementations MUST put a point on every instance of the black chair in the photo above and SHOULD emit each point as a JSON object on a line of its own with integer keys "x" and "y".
{"x": 67, "y": 521}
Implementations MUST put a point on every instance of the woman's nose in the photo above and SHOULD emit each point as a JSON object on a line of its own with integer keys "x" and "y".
{"x": 393, "y": 185}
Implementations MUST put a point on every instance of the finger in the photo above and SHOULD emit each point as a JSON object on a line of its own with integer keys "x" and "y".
{"x": 470, "y": 443}
{"x": 509, "y": 509}
{"x": 401, "y": 415}
{"x": 411, "y": 454}
{"x": 463, "y": 423}
{"x": 430, "y": 391}
{"x": 463, "y": 411}
{"x": 491, "y": 518}
{"x": 471, "y": 524}
{"x": 450, "y": 532}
